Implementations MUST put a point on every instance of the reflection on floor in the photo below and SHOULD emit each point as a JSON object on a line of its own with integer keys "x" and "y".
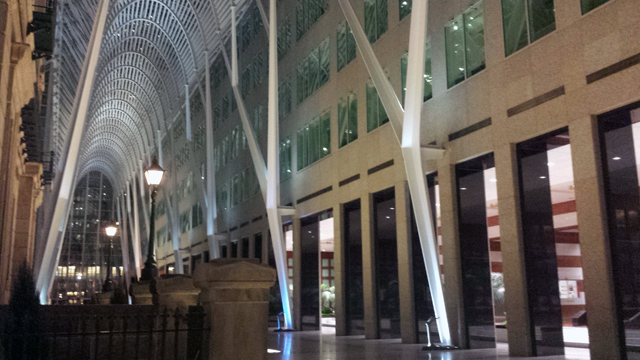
{"x": 314, "y": 345}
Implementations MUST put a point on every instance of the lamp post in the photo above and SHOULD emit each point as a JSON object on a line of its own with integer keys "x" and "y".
{"x": 110, "y": 230}
{"x": 153, "y": 175}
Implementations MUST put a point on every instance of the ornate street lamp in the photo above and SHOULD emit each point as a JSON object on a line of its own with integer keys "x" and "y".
{"x": 154, "y": 176}
{"x": 111, "y": 231}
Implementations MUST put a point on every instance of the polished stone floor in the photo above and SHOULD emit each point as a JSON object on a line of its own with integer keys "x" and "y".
{"x": 313, "y": 345}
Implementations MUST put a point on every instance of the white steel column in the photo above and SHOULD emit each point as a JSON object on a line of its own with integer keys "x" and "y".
{"x": 383, "y": 86}
{"x": 145, "y": 199}
{"x": 273, "y": 195}
{"x": 187, "y": 105}
{"x": 412, "y": 153}
{"x": 124, "y": 243}
{"x": 136, "y": 259}
{"x": 65, "y": 189}
{"x": 412, "y": 150}
{"x": 174, "y": 218}
{"x": 212, "y": 209}
{"x": 160, "y": 159}
{"x": 137, "y": 253}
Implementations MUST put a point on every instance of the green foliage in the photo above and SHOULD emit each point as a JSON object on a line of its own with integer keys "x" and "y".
{"x": 23, "y": 293}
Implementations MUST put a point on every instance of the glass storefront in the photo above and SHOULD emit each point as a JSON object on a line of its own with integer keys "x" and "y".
{"x": 481, "y": 268}
{"x": 354, "y": 303}
{"x": 551, "y": 244}
{"x": 386, "y": 264}
{"x": 620, "y": 146}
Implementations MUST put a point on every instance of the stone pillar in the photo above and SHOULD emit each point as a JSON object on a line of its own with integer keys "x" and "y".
{"x": 604, "y": 333}
{"x": 176, "y": 291}
{"x": 452, "y": 268}
{"x": 339, "y": 262}
{"x": 512, "y": 246}
{"x": 140, "y": 293}
{"x": 368, "y": 269}
{"x": 408, "y": 329}
{"x": 235, "y": 295}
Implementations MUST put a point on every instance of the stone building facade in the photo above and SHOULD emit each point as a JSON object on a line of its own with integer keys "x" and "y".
{"x": 21, "y": 175}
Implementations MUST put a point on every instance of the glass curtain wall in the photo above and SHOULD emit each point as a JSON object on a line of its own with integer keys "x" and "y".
{"x": 353, "y": 268}
{"x": 83, "y": 257}
{"x": 475, "y": 197}
{"x": 386, "y": 264}
{"x": 551, "y": 243}
{"x": 620, "y": 153}
{"x": 525, "y": 21}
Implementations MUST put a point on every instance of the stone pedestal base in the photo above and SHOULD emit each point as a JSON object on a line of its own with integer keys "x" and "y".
{"x": 235, "y": 295}
{"x": 176, "y": 291}
{"x": 141, "y": 294}
{"x": 104, "y": 298}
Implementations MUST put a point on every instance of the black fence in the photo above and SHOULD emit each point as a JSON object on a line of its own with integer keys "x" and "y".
{"x": 105, "y": 332}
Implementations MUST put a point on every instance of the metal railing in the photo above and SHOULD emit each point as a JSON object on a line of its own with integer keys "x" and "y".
{"x": 105, "y": 332}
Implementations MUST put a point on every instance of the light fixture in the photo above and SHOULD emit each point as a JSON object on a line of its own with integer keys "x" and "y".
{"x": 493, "y": 180}
{"x": 543, "y": 177}
{"x": 463, "y": 188}
{"x": 550, "y": 164}
{"x": 154, "y": 173}
{"x": 111, "y": 230}
{"x": 617, "y": 158}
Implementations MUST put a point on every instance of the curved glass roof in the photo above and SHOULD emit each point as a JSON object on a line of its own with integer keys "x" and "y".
{"x": 151, "y": 49}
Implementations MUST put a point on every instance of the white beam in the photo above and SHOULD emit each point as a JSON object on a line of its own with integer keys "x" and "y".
{"x": 187, "y": 105}
{"x": 65, "y": 189}
{"x": 387, "y": 95}
{"x": 273, "y": 193}
{"x": 412, "y": 153}
{"x": 124, "y": 243}
{"x": 160, "y": 159}
{"x": 212, "y": 209}
{"x": 410, "y": 139}
{"x": 137, "y": 253}
{"x": 146, "y": 200}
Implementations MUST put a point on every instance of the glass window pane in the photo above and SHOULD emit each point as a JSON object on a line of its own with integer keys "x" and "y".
{"x": 542, "y": 18}
{"x": 405, "y": 8}
{"x": 428, "y": 91}
{"x": 341, "y": 45}
{"x": 588, "y": 5}
{"x": 382, "y": 114}
{"x": 372, "y": 107}
{"x": 454, "y": 44}
{"x": 299, "y": 151}
{"x": 343, "y": 130}
{"x": 325, "y": 262}
{"x": 314, "y": 71}
{"x": 514, "y": 25}
{"x": 353, "y": 118}
{"x": 325, "y": 134}
{"x": 382, "y": 18}
{"x": 314, "y": 149}
{"x": 474, "y": 40}
{"x": 370, "y": 20}
{"x": 403, "y": 73}
{"x": 351, "y": 45}
{"x": 325, "y": 272}
{"x": 324, "y": 54}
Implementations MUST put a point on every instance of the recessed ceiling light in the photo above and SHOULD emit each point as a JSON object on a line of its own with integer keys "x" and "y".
{"x": 550, "y": 164}
{"x": 493, "y": 180}
{"x": 543, "y": 177}
{"x": 463, "y": 188}
{"x": 617, "y": 158}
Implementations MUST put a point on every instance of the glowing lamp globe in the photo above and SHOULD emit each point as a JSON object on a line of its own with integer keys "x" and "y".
{"x": 111, "y": 230}
{"x": 154, "y": 174}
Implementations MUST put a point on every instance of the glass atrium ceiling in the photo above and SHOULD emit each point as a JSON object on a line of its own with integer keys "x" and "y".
{"x": 151, "y": 49}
